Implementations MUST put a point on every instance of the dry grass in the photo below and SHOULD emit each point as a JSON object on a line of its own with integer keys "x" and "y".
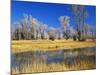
{"x": 34, "y": 68}
{"x": 29, "y": 45}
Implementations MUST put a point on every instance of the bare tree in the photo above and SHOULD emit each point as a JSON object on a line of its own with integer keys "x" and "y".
{"x": 64, "y": 21}
{"x": 79, "y": 14}
{"x": 12, "y": 32}
{"x": 25, "y": 27}
{"x": 86, "y": 29}
{"x": 52, "y": 33}
{"x": 36, "y": 29}
{"x": 93, "y": 32}
{"x": 72, "y": 33}
{"x": 17, "y": 32}
{"x": 42, "y": 29}
{"x": 90, "y": 31}
{"x": 32, "y": 27}
{"x": 71, "y": 30}
{"x": 59, "y": 34}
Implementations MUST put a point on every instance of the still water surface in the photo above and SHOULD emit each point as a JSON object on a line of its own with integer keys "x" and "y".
{"x": 68, "y": 57}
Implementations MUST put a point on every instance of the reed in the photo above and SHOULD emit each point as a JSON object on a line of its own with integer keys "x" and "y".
{"x": 43, "y": 67}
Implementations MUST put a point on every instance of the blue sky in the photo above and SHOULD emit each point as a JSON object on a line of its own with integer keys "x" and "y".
{"x": 48, "y": 13}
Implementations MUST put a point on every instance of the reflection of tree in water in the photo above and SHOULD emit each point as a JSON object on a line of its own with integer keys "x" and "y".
{"x": 72, "y": 59}
{"x": 79, "y": 57}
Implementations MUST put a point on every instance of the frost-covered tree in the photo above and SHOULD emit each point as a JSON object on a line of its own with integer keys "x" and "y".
{"x": 52, "y": 33}
{"x": 25, "y": 27}
{"x": 17, "y": 33}
{"x": 42, "y": 29}
{"x": 79, "y": 14}
{"x": 64, "y": 22}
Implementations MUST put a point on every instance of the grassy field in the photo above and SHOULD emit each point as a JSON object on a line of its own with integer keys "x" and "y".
{"x": 32, "y": 45}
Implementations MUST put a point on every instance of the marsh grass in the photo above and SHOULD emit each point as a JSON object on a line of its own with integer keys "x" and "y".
{"x": 48, "y": 45}
{"x": 43, "y": 67}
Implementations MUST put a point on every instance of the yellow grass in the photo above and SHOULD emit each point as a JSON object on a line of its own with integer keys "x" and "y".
{"x": 34, "y": 68}
{"x": 44, "y": 45}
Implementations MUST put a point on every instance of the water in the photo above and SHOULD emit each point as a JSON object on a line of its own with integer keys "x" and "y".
{"x": 70, "y": 57}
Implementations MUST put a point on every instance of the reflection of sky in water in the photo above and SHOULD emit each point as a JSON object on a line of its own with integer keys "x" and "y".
{"x": 48, "y": 57}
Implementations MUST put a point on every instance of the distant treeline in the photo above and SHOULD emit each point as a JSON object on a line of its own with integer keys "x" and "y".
{"x": 32, "y": 29}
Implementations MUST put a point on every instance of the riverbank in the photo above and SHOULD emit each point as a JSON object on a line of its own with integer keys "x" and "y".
{"x": 48, "y": 45}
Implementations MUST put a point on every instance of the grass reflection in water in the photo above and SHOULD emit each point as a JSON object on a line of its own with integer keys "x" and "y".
{"x": 48, "y": 61}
